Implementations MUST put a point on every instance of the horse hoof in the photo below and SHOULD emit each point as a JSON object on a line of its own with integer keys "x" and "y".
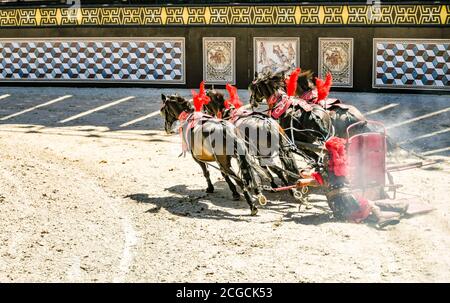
{"x": 262, "y": 200}
{"x": 254, "y": 211}
{"x": 209, "y": 190}
{"x": 236, "y": 197}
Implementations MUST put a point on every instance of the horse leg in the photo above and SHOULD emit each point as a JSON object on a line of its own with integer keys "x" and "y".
{"x": 210, "y": 188}
{"x": 232, "y": 187}
{"x": 285, "y": 181}
{"x": 280, "y": 175}
{"x": 225, "y": 165}
{"x": 293, "y": 191}
{"x": 248, "y": 198}
{"x": 262, "y": 200}
{"x": 288, "y": 162}
{"x": 248, "y": 179}
{"x": 272, "y": 179}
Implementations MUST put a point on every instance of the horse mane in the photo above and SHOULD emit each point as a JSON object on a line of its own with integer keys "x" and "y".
{"x": 216, "y": 97}
{"x": 270, "y": 82}
{"x": 277, "y": 79}
{"x": 216, "y": 105}
{"x": 180, "y": 101}
{"x": 305, "y": 82}
{"x": 184, "y": 101}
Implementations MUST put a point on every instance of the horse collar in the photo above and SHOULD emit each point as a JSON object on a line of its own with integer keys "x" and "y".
{"x": 184, "y": 116}
{"x": 189, "y": 121}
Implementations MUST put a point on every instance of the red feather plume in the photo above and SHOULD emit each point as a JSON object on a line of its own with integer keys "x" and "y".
{"x": 200, "y": 98}
{"x": 291, "y": 83}
{"x": 323, "y": 87}
{"x": 338, "y": 156}
{"x": 234, "y": 97}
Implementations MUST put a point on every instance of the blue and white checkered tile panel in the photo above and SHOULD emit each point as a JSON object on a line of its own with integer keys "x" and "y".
{"x": 420, "y": 64}
{"x": 149, "y": 60}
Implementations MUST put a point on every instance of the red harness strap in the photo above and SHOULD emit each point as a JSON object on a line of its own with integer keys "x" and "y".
{"x": 281, "y": 107}
{"x": 183, "y": 117}
{"x": 309, "y": 96}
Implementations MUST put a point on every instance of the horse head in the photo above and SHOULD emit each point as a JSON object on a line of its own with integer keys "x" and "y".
{"x": 264, "y": 86}
{"x": 172, "y": 106}
{"x": 305, "y": 82}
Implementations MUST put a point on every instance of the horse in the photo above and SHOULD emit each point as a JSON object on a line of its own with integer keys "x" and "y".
{"x": 331, "y": 166}
{"x": 307, "y": 125}
{"x": 263, "y": 134}
{"x": 342, "y": 115}
{"x": 204, "y": 136}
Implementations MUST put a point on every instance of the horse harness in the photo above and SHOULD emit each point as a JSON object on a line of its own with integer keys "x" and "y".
{"x": 188, "y": 122}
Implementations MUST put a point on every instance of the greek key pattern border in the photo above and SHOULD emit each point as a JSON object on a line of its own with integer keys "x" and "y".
{"x": 260, "y": 15}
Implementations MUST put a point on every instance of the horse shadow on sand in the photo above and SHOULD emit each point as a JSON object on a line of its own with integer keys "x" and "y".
{"x": 196, "y": 203}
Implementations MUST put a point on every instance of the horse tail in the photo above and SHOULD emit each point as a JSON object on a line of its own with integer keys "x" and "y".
{"x": 250, "y": 168}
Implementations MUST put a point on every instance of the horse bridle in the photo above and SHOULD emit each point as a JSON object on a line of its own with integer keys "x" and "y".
{"x": 169, "y": 113}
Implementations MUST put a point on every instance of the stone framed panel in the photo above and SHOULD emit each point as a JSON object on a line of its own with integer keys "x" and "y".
{"x": 219, "y": 60}
{"x": 411, "y": 63}
{"x": 336, "y": 57}
{"x": 148, "y": 60}
{"x": 275, "y": 53}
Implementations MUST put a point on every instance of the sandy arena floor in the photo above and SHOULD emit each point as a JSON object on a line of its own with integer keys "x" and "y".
{"x": 97, "y": 198}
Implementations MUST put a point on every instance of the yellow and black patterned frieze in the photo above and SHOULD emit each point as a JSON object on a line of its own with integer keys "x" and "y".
{"x": 243, "y": 15}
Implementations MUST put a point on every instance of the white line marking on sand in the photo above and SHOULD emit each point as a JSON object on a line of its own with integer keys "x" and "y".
{"x": 426, "y": 135}
{"x": 130, "y": 236}
{"x": 380, "y": 109}
{"x": 156, "y": 113}
{"x": 436, "y": 151}
{"x": 4, "y": 96}
{"x": 96, "y": 109}
{"x": 419, "y": 118}
{"x": 35, "y": 107}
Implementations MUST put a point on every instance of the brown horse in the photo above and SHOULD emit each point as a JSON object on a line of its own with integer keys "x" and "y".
{"x": 214, "y": 140}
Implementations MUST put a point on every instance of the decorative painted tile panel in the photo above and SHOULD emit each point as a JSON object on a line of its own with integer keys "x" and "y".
{"x": 150, "y": 60}
{"x": 219, "y": 60}
{"x": 420, "y": 64}
{"x": 275, "y": 53}
{"x": 336, "y": 57}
